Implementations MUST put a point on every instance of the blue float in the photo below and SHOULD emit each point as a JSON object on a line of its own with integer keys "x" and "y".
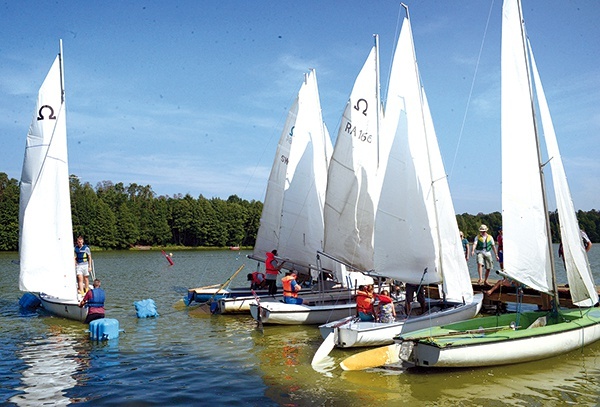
{"x": 29, "y": 301}
{"x": 145, "y": 308}
{"x": 104, "y": 329}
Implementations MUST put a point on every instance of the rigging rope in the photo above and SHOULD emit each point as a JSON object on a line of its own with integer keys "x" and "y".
{"x": 462, "y": 127}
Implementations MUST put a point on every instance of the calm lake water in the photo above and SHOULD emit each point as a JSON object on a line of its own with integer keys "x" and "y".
{"x": 187, "y": 358}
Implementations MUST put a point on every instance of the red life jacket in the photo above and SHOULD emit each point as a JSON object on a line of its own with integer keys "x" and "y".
{"x": 255, "y": 279}
{"x": 269, "y": 264}
{"x": 364, "y": 303}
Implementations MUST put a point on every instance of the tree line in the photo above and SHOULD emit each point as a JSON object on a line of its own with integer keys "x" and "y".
{"x": 115, "y": 216}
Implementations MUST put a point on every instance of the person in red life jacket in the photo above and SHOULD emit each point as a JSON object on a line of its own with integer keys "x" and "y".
{"x": 273, "y": 268}
{"x": 364, "y": 303}
{"x": 291, "y": 288}
{"x": 387, "y": 312}
{"x": 83, "y": 265}
{"x": 257, "y": 280}
{"x": 94, "y": 300}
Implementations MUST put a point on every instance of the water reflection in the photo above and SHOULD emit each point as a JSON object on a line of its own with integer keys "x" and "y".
{"x": 52, "y": 364}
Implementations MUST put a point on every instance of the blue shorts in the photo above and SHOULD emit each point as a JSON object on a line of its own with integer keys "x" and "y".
{"x": 292, "y": 300}
{"x": 365, "y": 317}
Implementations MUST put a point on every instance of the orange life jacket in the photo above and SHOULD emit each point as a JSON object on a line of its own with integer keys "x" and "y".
{"x": 288, "y": 291}
{"x": 364, "y": 302}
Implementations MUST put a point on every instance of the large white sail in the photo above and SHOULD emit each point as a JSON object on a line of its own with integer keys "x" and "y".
{"x": 292, "y": 217}
{"x": 352, "y": 188}
{"x": 581, "y": 282}
{"x": 416, "y": 226}
{"x": 45, "y": 235}
{"x": 527, "y": 257}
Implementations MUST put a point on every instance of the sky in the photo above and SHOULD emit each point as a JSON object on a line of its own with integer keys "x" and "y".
{"x": 190, "y": 97}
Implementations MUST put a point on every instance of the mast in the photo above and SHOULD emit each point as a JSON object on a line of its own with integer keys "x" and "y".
{"x": 62, "y": 71}
{"x": 540, "y": 163}
{"x": 377, "y": 95}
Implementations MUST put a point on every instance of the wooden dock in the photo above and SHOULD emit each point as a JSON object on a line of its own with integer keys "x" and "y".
{"x": 509, "y": 294}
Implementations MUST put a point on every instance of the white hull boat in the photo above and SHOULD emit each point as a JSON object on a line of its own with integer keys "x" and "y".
{"x": 352, "y": 332}
{"x": 275, "y": 312}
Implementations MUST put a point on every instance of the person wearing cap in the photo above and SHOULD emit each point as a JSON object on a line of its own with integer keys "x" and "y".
{"x": 483, "y": 245}
{"x": 291, "y": 288}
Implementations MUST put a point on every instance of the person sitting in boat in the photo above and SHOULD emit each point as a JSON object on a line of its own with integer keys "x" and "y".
{"x": 364, "y": 303}
{"x": 257, "y": 280}
{"x": 94, "y": 300}
{"x": 273, "y": 268}
{"x": 387, "y": 312}
{"x": 291, "y": 288}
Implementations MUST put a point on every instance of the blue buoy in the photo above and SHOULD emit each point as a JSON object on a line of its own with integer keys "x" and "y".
{"x": 29, "y": 301}
{"x": 104, "y": 329}
{"x": 145, "y": 308}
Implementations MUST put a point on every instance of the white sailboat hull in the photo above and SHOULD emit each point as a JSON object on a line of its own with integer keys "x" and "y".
{"x": 514, "y": 350}
{"x": 242, "y": 304}
{"x": 272, "y": 312}
{"x": 64, "y": 308}
{"x": 351, "y": 332}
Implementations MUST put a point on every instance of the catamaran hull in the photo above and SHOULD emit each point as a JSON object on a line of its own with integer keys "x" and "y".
{"x": 351, "y": 332}
{"x": 63, "y": 308}
{"x": 292, "y": 314}
{"x": 506, "y": 346}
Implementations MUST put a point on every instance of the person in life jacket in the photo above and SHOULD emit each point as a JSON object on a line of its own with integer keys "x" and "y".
{"x": 272, "y": 268}
{"x": 387, "y": 311}
{"x": 83, "y": 265}
{"x": 291, "y": 288}
{"x": 257, "y": 280}
{"x": 483, "y": 245}
{"x": 364, "y": 303}
{"x": 94, "y": 300}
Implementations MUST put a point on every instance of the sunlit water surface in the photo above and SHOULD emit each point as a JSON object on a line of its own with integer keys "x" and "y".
{"x": 186, "y": 357}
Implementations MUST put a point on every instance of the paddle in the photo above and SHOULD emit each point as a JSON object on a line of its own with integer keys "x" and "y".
{"x": 205, "y": 307}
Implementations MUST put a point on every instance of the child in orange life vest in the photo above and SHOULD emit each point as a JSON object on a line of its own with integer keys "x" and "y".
{"x": 291, "y": 288}
{"x": 364, "y": 303}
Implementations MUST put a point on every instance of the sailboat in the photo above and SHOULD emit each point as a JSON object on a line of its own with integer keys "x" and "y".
{"x": 45, "y": 228}
{"x": 416, "y": 236}
{"x": 357, "y": 123}
{"x": 528, "y": 260}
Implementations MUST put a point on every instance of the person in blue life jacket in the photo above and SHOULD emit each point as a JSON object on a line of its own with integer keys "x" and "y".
{"x": 94, "y": 300}
{"x": 83, "y": 265}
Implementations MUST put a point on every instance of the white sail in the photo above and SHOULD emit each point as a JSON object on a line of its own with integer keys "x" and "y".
{"x": 45, "y": 235}
{"x": 416, "y": 227}
{"x": 352, "y": 188}
{"x": 527, "y": 257}
{"x": 581, "y": 282}
{"x": 292, "y": 218}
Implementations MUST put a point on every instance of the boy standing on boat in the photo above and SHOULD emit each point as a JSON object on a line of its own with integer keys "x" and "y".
{"x": 483, "y": 246}
{"x": 83, "y": 265}
{"x": 272, "y": 270}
